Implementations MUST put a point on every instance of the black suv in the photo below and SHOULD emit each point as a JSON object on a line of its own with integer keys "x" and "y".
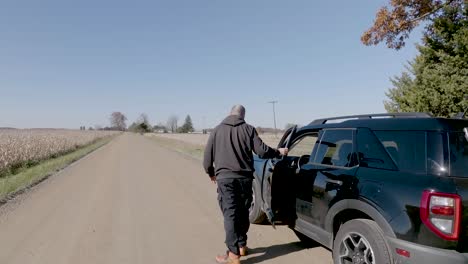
{"x": 384, "y": 188}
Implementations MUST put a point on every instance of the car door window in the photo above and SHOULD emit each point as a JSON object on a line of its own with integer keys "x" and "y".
{"x": 303, "y": 146}
{"x": 371, "y": 152}
{"x": 336, "y": 148}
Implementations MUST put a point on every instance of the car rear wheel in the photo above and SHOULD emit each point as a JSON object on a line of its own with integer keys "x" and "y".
{"x": 360, "y": 241}
{"x": 256, "y": 215}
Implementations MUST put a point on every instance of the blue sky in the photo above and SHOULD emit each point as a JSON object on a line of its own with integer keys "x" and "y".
{"x": 71, "y": 63}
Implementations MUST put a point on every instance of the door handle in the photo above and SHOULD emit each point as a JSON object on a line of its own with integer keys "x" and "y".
{"x": 337, "y": 182}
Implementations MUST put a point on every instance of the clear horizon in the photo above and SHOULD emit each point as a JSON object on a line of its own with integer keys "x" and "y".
{"x": 69, "y": 64}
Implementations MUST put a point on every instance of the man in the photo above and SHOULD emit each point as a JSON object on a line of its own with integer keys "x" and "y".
{"x": 229, "y": 163}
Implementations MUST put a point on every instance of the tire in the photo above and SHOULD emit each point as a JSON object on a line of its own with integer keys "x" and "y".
{"x": 256, "y": 215}
{"x": 362, "y": 239}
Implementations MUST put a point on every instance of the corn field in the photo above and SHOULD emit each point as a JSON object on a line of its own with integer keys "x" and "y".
{"x": 20, "y": 147}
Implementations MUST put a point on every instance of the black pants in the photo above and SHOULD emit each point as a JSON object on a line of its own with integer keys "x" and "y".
{"x": 235, "y": 198}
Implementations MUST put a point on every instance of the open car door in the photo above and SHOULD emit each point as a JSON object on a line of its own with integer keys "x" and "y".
{"x": 278, "y": 199}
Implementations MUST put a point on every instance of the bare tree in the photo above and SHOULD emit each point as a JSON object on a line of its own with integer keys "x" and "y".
{"x": 172, "y": 123}
{"x": 142, "y": 124}
{"x": 117, "y": 121}
{"x": 143, "y": 119}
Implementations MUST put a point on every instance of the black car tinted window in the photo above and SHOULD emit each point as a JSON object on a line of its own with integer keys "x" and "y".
{"x": 407, "y": 149}
{"x": 371, "y": 153}
{"x": 458, "y": 155}
{"x": 335, "y": 148}
{"x": 437, "y": 153}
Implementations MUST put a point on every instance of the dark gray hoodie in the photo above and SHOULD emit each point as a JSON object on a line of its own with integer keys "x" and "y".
{"x": 229, "y": 149}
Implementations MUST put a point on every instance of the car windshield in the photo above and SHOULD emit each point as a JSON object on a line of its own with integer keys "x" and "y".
{"x": 458, "y": 154}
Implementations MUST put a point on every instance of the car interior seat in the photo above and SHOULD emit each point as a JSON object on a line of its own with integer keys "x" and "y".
{"x": 343, "y": 159}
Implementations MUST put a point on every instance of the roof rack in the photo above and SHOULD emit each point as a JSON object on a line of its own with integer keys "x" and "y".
{"x": 370, "y": 116}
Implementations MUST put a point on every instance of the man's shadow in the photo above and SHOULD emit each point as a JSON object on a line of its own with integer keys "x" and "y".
{"x": 276, "y": 251}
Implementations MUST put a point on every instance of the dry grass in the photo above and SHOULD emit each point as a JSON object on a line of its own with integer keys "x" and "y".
{"x": 26, "y": 177}
{"x": 26, "y": 147}
{"x": 201, "y": 139}
{"x": 194, "y": 144}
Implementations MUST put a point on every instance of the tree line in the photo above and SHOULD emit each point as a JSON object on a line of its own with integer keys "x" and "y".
{"x": 118, "y": 121}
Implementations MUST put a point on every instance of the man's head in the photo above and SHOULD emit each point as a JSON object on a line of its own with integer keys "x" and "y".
{"x": 238, "y": 110}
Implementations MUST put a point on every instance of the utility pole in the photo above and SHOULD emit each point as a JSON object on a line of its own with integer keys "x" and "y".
{"x": 274, "y": 113}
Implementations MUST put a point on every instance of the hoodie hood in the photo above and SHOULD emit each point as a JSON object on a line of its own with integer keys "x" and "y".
{"x": 233, "y": 120}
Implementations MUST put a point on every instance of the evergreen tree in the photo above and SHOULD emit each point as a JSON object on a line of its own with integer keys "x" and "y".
{"x": 187, "y": 126}
{"x": 437, "y": 80}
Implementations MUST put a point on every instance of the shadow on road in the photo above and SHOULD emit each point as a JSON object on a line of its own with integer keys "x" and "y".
{"x": 274, "y": 252}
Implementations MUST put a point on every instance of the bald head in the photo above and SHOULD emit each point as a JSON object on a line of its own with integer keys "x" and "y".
{"x": 238, "y": 110}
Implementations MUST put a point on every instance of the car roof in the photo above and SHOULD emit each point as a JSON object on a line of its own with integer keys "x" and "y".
{"x": 416, "y": 121}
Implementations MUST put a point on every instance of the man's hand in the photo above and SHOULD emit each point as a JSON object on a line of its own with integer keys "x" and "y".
{"x": 213, "y": 179}
{"x": 283, "y": 151}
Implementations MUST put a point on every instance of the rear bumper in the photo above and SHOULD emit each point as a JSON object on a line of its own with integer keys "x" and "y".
{"x": 424, "y": 254}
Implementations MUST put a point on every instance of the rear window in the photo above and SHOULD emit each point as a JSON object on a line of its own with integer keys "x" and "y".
{"x": 407, "y": 149}
{"x": 437, "y": 153}
{"x": 458, "y": 154}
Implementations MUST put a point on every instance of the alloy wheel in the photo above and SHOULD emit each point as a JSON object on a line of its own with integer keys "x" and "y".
{"x": 355, "y": 249}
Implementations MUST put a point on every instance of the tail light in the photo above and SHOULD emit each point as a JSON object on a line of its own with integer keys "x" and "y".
{"x": 441, "y": 213}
